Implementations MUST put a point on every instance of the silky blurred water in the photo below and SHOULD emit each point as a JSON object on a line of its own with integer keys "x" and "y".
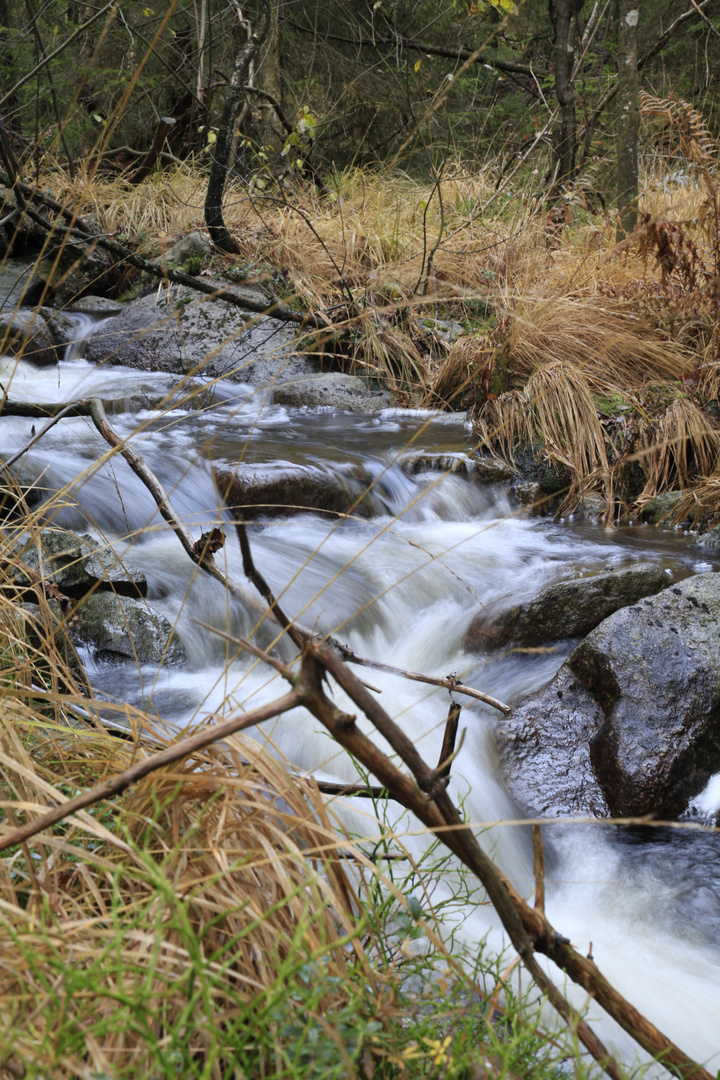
{"x": 402, "y": 586}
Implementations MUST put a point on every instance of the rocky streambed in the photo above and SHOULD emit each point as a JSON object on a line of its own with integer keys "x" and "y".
{"x": 388, "y": 529}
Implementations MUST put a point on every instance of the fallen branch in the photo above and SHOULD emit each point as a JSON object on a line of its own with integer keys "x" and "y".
{"x": 424, "y": 794}
{"x": 450, "y": 682}
{"x": 169, "y": 273}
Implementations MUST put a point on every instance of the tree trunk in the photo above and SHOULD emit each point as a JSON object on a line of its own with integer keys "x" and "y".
{"x": 562, "y": 14}
{"x": 268, "y": 78}
{"x": 221, "y": 156}
{"x": 626, "y": 142}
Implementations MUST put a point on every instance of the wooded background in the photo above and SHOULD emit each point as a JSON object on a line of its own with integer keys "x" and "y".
{"x": 339, "y": 83}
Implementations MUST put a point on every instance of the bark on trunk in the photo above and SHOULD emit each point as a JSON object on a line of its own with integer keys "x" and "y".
{"x": 221, "y": 156}
{"x": 268, "y": 79}
{"x": 563, "y": 13}
{"x": 628, "y": 128}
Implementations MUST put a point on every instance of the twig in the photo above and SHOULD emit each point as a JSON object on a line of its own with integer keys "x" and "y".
{"x": 539, "y": 868}
{"x": 447, "y": 751}
{"x": 36, "y": 438}
{"x": 705, "y": 18}
{"x": 450, "y": 682}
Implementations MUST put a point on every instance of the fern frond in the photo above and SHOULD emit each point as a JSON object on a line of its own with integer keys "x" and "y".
{"x": 698, "y": 144}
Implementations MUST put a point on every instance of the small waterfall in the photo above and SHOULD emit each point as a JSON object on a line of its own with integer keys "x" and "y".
{"x": 402, "y": 585}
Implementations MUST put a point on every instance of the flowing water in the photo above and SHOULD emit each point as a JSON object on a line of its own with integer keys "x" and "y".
{"x": 401, "y": 585}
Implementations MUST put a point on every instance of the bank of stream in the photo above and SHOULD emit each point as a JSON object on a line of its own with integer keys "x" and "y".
{"x": 400, "y": 580}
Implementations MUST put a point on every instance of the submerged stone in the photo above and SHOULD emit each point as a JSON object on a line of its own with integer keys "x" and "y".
{"x": 279, "y": 488}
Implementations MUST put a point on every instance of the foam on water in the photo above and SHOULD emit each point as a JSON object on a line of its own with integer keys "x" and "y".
{"x": 401, "y": 587}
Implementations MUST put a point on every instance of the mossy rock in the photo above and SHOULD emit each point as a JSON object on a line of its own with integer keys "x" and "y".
{"x": 124, "y": 631}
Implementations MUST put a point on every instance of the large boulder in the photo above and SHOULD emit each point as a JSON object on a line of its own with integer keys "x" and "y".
{"x": 74, "y": 565}
{"x": 567, "y": 609}
{"x": 72, "y": 270}
{"x": 544, "y": 750}
{"x": 654, "y": 668}
{"x": 280, "y": 488}
{"x": 19, "y": 284}
{"x": 631, "y": 723}
{"x": 176, "y": 330}
{"x": 25, "y": 333}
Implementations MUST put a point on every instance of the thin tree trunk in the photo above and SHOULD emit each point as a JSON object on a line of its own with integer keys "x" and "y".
{"x": 563, "y": 13}
{"x": 626, "y": 141}
{"x": 268, "y": 79}
{"x": 221, "y": 157}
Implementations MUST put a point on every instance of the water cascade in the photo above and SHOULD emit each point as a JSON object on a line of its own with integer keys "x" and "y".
{"x": 399, "y": 582}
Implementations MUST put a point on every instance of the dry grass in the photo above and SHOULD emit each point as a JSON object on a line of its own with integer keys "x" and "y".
{"x": 555, "y": 412}
{"x": 179, "y": 907}
{"x": 677, "y": 449}
{"x": 608, "y": 342}
{"x": 383, "y": 252}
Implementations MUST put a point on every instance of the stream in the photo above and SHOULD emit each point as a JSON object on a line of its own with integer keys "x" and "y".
{"x": 400, "y": 585}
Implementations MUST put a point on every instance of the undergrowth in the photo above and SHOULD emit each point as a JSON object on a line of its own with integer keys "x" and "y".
{"x": 217, "y": 921}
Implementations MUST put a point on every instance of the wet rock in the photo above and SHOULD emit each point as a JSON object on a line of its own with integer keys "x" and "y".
{"x": 334, "y": 390}
{"x": 537, "y": 483}
{"x": 528, "y": 493}
{"x": 178, "y": 331}
{"x": 19, "y": 284}
{"x": 25, "y": 333}
{"x": 567, "y": 609}
{"x": 75, "y": 269}
{"x": 124, "y": 630}
{"x": 544, "y": 751}
{"x": 631, "y": 723}
{"x": 458, "y": 463}
{"x": 660, "y": 510}
{"x": 710, "y": 539}
{"x": 76, "y": 565}
{"x": 62, "y": 327}
{"x": 279, "y": 488}
{"x": 654, "y": 668}
{"x": 592, "y": 507}
{"x": 492, "y": 470}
